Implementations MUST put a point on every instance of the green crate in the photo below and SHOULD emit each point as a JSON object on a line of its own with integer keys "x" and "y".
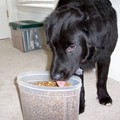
{"x": 27, "y": 35}
{"x": 26, "y": 24}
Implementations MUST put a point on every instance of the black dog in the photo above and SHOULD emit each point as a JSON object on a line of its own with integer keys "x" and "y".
{"x": 82, "y": 33}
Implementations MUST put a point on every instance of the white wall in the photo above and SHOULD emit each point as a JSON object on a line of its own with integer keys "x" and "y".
{"x": 35, "y": 11}
{"x": 32, "y": 13}
{"x": 114, "y": 71}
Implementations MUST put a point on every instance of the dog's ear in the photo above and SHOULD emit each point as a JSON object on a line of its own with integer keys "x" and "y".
{"x": 90, "y": 51}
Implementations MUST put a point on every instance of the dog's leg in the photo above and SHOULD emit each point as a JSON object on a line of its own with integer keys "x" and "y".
{"x": 82, "y": 99}
{"x": 80, "y": 74}
{"x": 102, "y": 74}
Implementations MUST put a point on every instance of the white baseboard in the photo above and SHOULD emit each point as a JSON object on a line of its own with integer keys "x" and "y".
{"x": 114, "y": 74}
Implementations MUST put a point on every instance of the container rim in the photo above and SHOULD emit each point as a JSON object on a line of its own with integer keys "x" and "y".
{"x": 46, "y": 73}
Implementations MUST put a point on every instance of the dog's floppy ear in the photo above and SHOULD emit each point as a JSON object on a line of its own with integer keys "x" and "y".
{"x": 90, "y": 51}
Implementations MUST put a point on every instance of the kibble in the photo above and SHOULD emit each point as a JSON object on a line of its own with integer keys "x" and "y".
{"x": 50, "y": 106}
{"x": 49, "y": 83}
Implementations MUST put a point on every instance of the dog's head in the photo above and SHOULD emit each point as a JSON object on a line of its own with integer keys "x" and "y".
{"x": 67, "y": 35}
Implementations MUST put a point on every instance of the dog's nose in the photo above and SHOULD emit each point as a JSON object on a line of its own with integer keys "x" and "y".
{"x": 57, "y": 76}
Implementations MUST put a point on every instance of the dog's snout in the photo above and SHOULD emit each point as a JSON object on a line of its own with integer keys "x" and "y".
{"x": 57, "y": 76}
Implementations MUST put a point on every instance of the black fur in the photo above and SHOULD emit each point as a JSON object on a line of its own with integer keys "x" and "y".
{"x": 82, "y": 33}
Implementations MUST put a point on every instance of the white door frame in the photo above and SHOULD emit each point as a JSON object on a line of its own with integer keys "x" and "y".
{"x": 4, "y": 20}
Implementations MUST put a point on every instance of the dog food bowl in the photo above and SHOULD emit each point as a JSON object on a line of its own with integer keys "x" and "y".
{"x": 48, "y": 103}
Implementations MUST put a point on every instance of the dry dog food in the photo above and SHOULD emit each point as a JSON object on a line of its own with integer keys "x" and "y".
{"x": 52, "y": 83}
{"x": 62, "y": 105}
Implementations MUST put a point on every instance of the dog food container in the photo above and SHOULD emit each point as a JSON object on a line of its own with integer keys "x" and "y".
{"x": 48, "y": 103}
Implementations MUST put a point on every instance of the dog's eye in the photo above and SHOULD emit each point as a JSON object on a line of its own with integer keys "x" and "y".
{"x": 71, "y": 48}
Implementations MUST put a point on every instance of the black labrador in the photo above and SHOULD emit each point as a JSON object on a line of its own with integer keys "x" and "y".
{"x": 82, "y": 33}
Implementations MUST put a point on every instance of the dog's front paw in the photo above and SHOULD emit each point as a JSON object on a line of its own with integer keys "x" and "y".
{"x": 106, "y": 100}
{"x": 81, "y": 109}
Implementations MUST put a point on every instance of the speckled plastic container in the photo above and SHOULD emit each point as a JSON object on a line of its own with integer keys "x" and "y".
{"x": 48, "y": 103}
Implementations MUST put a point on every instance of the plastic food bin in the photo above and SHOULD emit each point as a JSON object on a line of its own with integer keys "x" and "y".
{"x": 48, "y": 103}
{"x": 27, "y": 35}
